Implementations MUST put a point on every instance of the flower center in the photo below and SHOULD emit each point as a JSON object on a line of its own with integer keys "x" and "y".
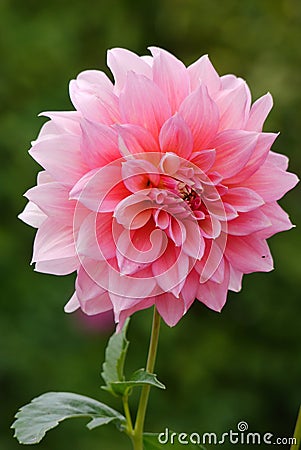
{"x": 191, "y": 196}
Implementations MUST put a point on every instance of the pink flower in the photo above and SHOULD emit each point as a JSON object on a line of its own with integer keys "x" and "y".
{"x": 158, "y": 189}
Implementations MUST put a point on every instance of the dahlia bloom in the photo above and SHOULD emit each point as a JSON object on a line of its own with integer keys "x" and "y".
{"x": 158, "y": 189}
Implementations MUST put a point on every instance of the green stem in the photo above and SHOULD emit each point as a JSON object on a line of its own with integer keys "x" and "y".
{"x": 137, "y": 435}
{"x": 297, "y": 432}
{"x": 129, "y": 427}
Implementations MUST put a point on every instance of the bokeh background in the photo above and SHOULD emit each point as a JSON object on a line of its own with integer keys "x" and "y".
{"x": 243, "y": 364}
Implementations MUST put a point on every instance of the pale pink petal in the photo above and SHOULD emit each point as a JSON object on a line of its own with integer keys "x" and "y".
{"x": 278, "y": 160}
{"x": 134, "y": 211}
{"x": 143, "y": 103}
{"x": 170, "y": 74}
{"x": 136, "y": 139}
{"x": 249, "y": 255}
{"x": 202, "y": 116}
{"x": 171, "y": 269}
{"x": 175, "y": 136}
{"x": 234, "y": 106}
{"x": 278, "y": 217}
{"x": 101, "y": 189}
{"x": 203, "y": 72}
{"x": 139, "y": 175}
{"x": 121, "y": 61}
{"x": 72, "y": 305}
{"x": 203, "y": 159}
{"x": 139, "y": 249}
{"x": 170, "y": 308}
{"x": 258, "y": 157}
{"x": 271, "y": 183}
{"x": 61, "y": 157}
{"x": 190, "y": 288}
{"x": 99, "y": 144}
{"x": 93, "y": 299}
{"x": 92, "y": 94}
{"x": 243, "y": 199}
{"x": 53, "y": 241}
{"x": 64, "y": 121}
{"x": 235, "y": 283}
{"x": 138, "y": 286}
{"x": 259, "y": 112}
{"x": 248, "y": 222}
{"x": 95, "y": 238}
{"x": 61, "y": 266}
{"x": 124, "y": 314}
{"x": 214, "y": 295}
{"x": 233, "y": 150}
{"x": 53, "y": 199}
{"x": 32, "y": 215}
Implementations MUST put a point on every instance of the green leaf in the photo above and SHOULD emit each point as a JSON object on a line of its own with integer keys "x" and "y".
{"x": 48, "y": 410}
{"x": 170, "y": 441}
{"x": 139, "y": 378}
{"x": 112, "y": 368}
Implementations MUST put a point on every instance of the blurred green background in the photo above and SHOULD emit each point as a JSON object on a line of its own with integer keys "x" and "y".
{"x": 243, "y": 364}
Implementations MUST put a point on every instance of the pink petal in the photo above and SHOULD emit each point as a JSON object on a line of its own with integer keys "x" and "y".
{"x": 249, "y": 254}
{"x": 170, "y": 74}
{"x": 175, "y": 136}
{"x": 101, "y": 189}
{"x": 194, "y": 244}
{"x": 53, "y": 241}
{"x": 53, "y": 199}
{"x": 271, "y": 183}
{"x": 214, "y": 295}
{"x": 139, "y": 174}
{"x": 243, "y": 199}
{"x": 136, "y": 139}
{"x": 61, "y": 157}
{"x": 278, "y": 217}
{"x": 234, "y": 106}
{"x": 139, "y": 249}
{"x": 138, "y": 286}
{"x": 121, "y": 61}
{"x": 203, "y": 159}
{"x": 95, "y": 238}
{"x": 259, "y": 112}
{"x": 99, "y": 144}
{"x": 32, "y": 215}
{"x": 235, "y": 283}
{"x": 63, "y": 121}
{"x": 258, "y": 157}
{"x": 93, "y": 299}
{"x": 248, "y": 223}
{"x": 124, "y": 314}
{"x": 233, "y": 150}
{"x": 143, "y": 103}
{"x": 72, "y": 305}
{"x": 190, "y": 288}
{"x": 202, "y": 116}
{"x": 171, "y": 270}
{"x": 134, "y": 211}
{"x": 203, "y": 72}
{"x": 92, "y": 94}
{"x": 61, "y": 266}
{"x": 170, "y": 308}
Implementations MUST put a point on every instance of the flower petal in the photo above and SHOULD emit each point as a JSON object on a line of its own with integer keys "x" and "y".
{"x": 203, "y": 72}
{"x": 143, "y": 103}
{"x": 121, "y": 61}
{"x": 202, "y": 116}
{"x": 175, "y": 136}
{"x": 259, "y": 112}
{"x": 170, "y": 74}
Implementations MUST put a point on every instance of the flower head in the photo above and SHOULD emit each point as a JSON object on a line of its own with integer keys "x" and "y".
{"x": 159, "y": 189}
